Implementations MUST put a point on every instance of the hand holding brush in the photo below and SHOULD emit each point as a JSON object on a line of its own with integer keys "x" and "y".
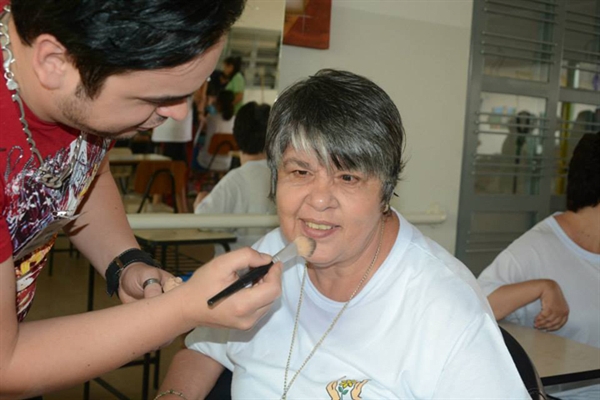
{"x": 301, "y": 246}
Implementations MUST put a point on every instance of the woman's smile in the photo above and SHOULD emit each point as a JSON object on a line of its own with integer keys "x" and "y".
{"x": 318, "y": 229}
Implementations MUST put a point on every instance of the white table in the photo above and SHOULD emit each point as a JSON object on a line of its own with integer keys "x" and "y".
{"x": 557, "y": 359}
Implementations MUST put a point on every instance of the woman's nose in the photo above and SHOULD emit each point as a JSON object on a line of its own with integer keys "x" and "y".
{"x": 177, "y": 111}
{"x": 322, "y": 195}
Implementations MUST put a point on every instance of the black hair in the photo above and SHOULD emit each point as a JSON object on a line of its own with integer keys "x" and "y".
{"x": 346, "y": 120}
{"x": 250, "y": 127}
{"x": 235, "y": 62}
{"x": 583, "y": 179}
{"x": 214, "y": 83}
{"x": 225, "y": 104}
{"x": 109, "y": 37}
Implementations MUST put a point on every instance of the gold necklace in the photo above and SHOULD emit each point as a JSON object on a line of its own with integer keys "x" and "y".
{"x": 286, "y": 387}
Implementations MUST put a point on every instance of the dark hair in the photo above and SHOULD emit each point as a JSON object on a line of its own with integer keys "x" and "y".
{"x": 225, "y": 104}
{"x": 236, "y": 63}
{"x": 583, "y": 180}
{"x": 344, "y": 119}
{"x": 214, "y": 83}
{"x": 250, "y": 127}
{"x": 109, "y": 37}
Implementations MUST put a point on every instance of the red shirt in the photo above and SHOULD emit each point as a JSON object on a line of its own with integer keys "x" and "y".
{"x": 31, "y": 213}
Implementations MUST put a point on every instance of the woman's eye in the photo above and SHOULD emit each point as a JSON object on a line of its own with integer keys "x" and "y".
{"x": 349, "y": 178}
{"x": 300, "y": 173}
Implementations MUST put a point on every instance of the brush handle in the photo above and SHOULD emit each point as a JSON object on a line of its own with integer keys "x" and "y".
{"x": 248, "y": 278}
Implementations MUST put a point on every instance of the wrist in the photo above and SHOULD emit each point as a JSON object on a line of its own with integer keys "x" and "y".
{"x": 546, "y": 284}
{"x": 122, "y": 261}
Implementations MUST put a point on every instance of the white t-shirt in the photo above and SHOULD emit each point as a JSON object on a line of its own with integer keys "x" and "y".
{"x": 243, "y": 190}
{"x": 175, "y": 131}
{"x": 546, "y": 252}
{"x": 215, "y": 124}
{"x": 420, "y": 328}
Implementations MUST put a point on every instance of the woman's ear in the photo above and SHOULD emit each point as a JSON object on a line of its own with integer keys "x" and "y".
{"x": 50, "y": 62}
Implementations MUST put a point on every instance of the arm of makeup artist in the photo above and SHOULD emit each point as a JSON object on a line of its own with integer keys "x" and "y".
{"x": 42, "y": 356}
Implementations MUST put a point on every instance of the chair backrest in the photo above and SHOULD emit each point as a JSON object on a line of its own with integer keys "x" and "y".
{"x": 525, "y": 366}
{"x": 159, "y": 177}
{"x": 222, "y": 144}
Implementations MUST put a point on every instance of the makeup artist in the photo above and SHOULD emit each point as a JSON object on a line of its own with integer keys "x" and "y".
{"x": 78, "y": 75}
{"x": 379, "y": 311}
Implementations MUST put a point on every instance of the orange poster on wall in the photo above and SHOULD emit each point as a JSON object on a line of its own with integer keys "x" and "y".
{"x": 307, "y": 23}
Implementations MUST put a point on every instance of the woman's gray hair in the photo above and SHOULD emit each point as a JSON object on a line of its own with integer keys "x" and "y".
{"x": 346, "y": 120}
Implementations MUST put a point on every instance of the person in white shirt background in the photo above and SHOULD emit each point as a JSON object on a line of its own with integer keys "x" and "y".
{"x": 549, "y": 277}
{"x": 244, "y": 190}
{"x": 174, "y": 135}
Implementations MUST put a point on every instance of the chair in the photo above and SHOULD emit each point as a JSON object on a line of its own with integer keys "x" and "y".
{"x": 222, "y": 388}
{"x": 525, "y": 366}
{"x": 161, "y": 178}
{"x": 221, "y": 144}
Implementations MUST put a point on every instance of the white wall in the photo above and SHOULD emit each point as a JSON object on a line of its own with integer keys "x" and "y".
{"x": 262, "y": 14}
{"x": 417, "y": 51}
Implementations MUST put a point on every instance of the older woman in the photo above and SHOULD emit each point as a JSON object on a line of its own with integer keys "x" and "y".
{"x": 378, "y": 311}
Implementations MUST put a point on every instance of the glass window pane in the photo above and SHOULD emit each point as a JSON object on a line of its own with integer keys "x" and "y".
{"x": 510, "y": 138}
{"x": 581, "y": 58}
{"x": 517, "y": 41}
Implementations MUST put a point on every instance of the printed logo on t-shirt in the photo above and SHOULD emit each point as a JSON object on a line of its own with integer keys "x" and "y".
{"x": 345, "y": 389}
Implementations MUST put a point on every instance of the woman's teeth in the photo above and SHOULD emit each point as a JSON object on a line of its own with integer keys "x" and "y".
{"x": 319, "y": 226}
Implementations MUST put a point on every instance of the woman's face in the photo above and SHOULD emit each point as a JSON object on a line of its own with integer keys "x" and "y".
{"x": 340, "y": 210}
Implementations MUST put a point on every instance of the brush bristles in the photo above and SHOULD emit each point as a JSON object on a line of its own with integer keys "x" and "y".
{"x": 306, "y": 246}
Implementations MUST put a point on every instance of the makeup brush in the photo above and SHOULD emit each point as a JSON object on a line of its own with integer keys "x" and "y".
{"x": 301, "y": 246}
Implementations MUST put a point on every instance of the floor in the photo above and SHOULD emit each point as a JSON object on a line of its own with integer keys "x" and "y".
{"x": 66, "y": 292}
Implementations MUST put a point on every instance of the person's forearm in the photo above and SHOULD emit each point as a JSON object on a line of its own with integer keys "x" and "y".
{"x": 509, "y": 298}
{"x": 61, "y": 352}
{"x": 104, "y": 211}
{"x": 191, "y": 373}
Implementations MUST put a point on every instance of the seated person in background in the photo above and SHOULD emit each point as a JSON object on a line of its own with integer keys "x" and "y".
{"x": 221, "y": 122}
{"x": 549, "y": 277}
{"x": 244, "y": 190}
{"x": 378, "y": 311}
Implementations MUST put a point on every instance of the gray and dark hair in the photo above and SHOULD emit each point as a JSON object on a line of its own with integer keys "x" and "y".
{"x": 346, "y": 120}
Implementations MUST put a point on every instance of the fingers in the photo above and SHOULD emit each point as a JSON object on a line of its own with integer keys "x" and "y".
{"x": 550, "y": 321}
{"x": 240, "y": 259}
{"x": 246, "y": 307}
{"x": 242, "y": 309}
{"x": 256, "y": 301}
{"x": 155, "y": 280}
{"x": 152, "y": 290}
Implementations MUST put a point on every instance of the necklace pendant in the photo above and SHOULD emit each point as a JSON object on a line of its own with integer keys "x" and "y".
{"x": 51, "y": 181}
{"x": 11, "y": 84}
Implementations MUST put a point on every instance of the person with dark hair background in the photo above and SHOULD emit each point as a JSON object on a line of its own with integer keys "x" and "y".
{"x": 221, "y": 122}
{"x": 232, "y": 71}
{"x": 244, "y": 190}
{"x": 549, "y": 277}
{"x": 78, "y": 75}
